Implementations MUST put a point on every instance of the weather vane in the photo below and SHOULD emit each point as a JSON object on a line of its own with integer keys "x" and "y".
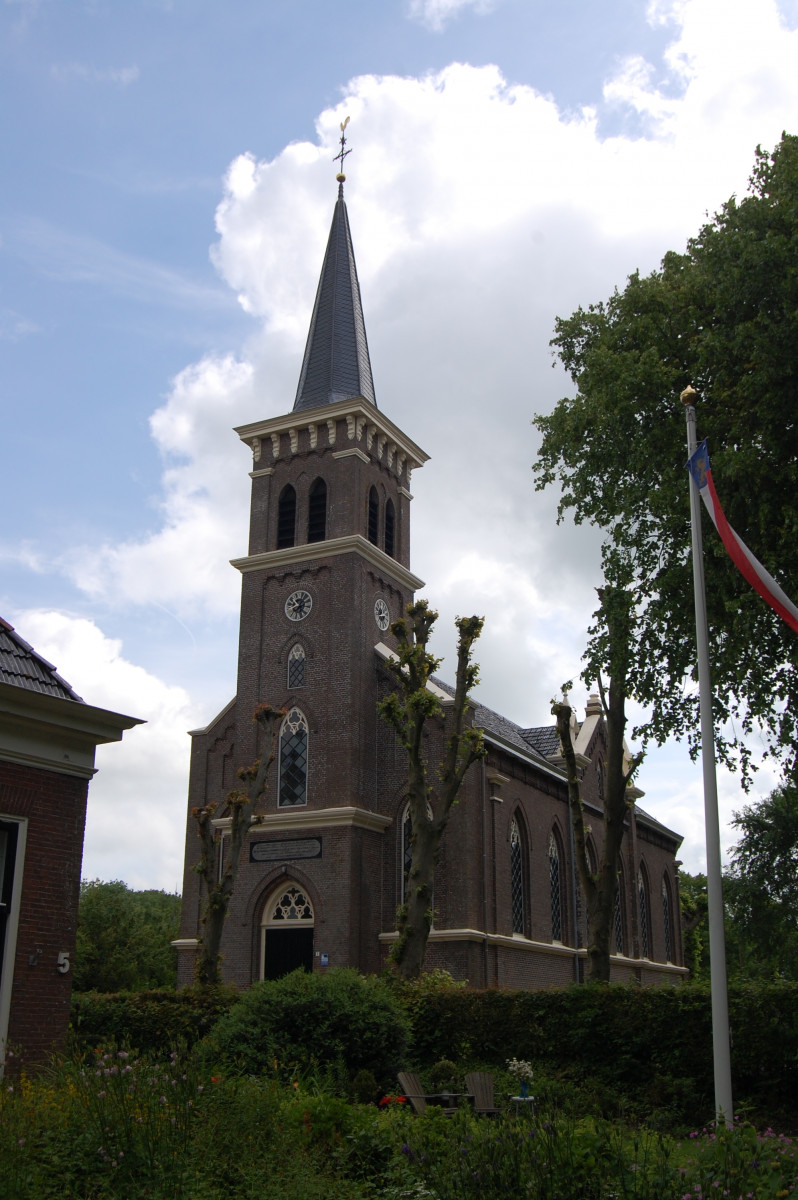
{"x": 342, "y": 153}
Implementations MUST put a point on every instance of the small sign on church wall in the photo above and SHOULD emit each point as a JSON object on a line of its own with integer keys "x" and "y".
{"x": 283, "y": 851}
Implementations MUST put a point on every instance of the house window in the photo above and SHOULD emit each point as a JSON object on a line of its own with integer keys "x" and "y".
{"x": 296, "y": 667}
{"x": 555, "y": 889}
{"x": 666, "y": 919}
{"x": 642, "y": 901}
{"x": 286, "y": 518}
{"x": 390, "y": 527}
{"x": 517, "y": 878}
{"x": 374, "y": 517}
{"x": 317, "y": 512}
{"x": 293, "y": 760}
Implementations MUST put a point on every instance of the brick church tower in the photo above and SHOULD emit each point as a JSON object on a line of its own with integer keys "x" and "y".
{"x": 327, "y": 572}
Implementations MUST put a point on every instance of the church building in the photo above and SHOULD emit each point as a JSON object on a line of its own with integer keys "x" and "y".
{"x": 323, "y": 872}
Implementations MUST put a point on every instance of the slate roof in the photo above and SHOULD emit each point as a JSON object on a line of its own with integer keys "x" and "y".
{"x": 22, "y": 667}
{"x": 495, "y": 723}
{"x": 336, "y": 365}
{"x": 542, "y": 738}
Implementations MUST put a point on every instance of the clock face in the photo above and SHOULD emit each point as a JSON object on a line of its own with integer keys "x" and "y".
{"x": 381, "y": 614}
{"x": 298, "y": 605}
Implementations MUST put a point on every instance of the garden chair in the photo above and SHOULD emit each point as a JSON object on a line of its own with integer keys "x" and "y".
{"x": 479, "y": 1085}
{"x": 411, "y": 1087}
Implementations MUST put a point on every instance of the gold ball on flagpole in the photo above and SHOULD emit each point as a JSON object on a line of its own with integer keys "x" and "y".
{"x": 688, "y": 395}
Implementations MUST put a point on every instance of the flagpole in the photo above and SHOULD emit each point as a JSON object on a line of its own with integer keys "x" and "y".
{"x": 717, "y": 938}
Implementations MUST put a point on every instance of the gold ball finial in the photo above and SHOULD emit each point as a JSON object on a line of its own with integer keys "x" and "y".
{"x": 341, "y": 178}
{"x": 688, "y": 395}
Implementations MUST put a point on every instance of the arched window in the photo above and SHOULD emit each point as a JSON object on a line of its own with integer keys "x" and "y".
{"x": 617, "y": 917}
{"x": 642, "y": 903}
{"x": 286, "y": 518}
{"x": 555, "y": 889}
{"x": 286, "y": 933}
{"x": 580, "y": 891}
{"x": 293, "y": 769}
{"x": 374, "y": 517}
{"x": 666, "y": 919}
{"x": 296, "y": 667}
{"x": 317, "y": 511}
{"x": 407, "y": 847}
{"x": 600, "y": 778}
{"x": 390, "y": 528}
{"x": 517, "y": 878}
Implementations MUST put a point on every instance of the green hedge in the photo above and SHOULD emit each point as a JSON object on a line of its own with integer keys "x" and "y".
{"x": 650, "y": 1048}
{"x": 150, "y": 1022}
{"x": 649, "y": 1045}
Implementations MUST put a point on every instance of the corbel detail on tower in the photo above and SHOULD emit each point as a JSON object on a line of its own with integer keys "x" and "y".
{"x": 313, "y": 432}
{"x": 256, "y": 449}
{"x": 275, "y": 445}
{"x": 331, "y": 431}
{"x": 294, "y": 436}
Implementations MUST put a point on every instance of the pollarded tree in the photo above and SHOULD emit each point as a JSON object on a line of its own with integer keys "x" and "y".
{"x": 724, "y": 317}
{"x": 408, "y": 710}
{"x": 613, "y": 634}
{"x": 218, "y": 878}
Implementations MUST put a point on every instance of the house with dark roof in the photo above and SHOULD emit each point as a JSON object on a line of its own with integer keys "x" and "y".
{"x": 48, "y": 738}
{"x": 324, "y": 870}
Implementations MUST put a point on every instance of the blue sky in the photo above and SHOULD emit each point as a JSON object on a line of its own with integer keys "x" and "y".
{"x": 168, "y": 188}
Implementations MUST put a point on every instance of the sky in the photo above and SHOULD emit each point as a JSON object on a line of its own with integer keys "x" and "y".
{"x": 168, "y": 186}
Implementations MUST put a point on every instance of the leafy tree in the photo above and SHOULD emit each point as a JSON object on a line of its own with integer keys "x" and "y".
{"x": 695, "y": 924}
{"x": 218, "y": 865}
{"x": 124, "y": 938}
{"x": 408, "y": 710}
{"x": 761, "y": 888}
{"x": 613, "y": 634}
{"x": 724, "y": 317}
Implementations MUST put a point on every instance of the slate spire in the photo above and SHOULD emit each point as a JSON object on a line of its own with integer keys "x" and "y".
{"x": 336, "y": 365}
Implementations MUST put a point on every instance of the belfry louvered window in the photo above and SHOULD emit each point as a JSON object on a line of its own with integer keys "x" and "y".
{"x": 296, "y": 667}
{"x": 517, "y": 878}
{"x": 666, "y": 919}
{"x": 293, "y": 760}
{"x": 374, "y": 517}
{"x": 286, "y": 518}
{"x": 317, "y": 512}
{"x": 555, "y": 889}
{"x": 642, "y": 901}
{"x": 390, "y": 528}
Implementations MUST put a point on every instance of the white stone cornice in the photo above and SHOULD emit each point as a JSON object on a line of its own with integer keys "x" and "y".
{"x": 314, "y": 818}
{"x": 354, "y": 544}
{"x": 261, "y": 471}
{"x": 353, "y": 452}
{"x": 359, "y": 414}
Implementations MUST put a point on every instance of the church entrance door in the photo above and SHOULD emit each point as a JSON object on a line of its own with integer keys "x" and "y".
{"x": 287, "y": 949}
{"x": 286, "y": 933}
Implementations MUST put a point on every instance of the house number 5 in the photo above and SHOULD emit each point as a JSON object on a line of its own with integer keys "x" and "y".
{"x": 63, "y": 962}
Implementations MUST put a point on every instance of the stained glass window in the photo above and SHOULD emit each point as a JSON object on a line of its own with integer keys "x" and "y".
{"x": 555, "y": 889}
{"x": 293, "y": 760}
{"x": 666, "y": 919}
{"x": 517, "y": 877}
{"x": 617, "y": 917}
{"x": 296, "y": 667}
{"x": 642, "y": 900}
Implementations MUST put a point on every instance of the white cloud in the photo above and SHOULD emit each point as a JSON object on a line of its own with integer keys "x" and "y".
{"x": 184, "y": 563}
{"x": 123, "y": 76}
{"x": 436, "y": 14}
{"x": 137, "y": 801}
{"x": 465, "y": 259}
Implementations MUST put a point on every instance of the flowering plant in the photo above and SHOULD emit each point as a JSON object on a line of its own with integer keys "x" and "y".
{"x": 521, "y": 1069}
{"x": 387, "y": 1101}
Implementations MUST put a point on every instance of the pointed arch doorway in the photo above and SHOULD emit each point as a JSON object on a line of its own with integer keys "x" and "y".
{"x": 286, "y": 933}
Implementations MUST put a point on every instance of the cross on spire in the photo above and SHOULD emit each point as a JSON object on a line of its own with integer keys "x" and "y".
{"x": 342, "y": 153}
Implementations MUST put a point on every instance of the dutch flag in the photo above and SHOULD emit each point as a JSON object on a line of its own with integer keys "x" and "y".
{"x": 701, "y": 471}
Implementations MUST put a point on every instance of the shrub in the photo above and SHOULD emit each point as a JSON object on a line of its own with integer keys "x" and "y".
{"x": 150, "y": 1022}
{"x": 316, "y": 1020}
